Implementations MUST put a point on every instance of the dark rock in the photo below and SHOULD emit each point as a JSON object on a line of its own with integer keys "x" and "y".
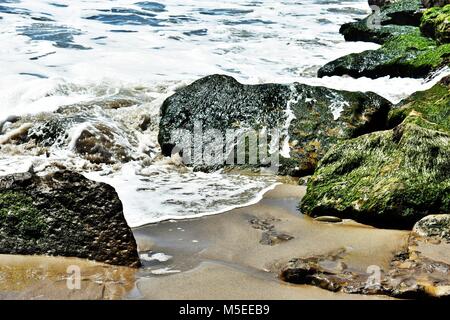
{"x": 90, "y": 130}
{"x": 317, "y": 117}
{"x": 359, "y": 31}
{"x": 407, "y": 55}
{"x": 62, "y": 213}
{"x": 410, "y": 274}
{"x": 392, "y": 18}
{"x": 272, "y": 238}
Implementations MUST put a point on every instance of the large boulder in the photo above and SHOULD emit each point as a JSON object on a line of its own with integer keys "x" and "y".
{"x": 389, "y": 178}
{"x": 394, "y": 177}
{"x": 435, "y": 23}
{"x": 310, "y": 118}
{"x": 407, "y": 55}
{"x": 391, "y": 19}
{"x": 62, "y": 213}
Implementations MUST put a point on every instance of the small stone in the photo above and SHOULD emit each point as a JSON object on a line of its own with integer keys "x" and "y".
{"x": 330, "y": 219}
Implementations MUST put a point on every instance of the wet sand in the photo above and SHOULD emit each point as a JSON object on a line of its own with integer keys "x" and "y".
{"x": 223, "y": 256}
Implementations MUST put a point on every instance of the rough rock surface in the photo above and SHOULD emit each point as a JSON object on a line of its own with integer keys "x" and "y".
{"x": 393, "y": 19}
{"x": 389, "y": 178}
{"x": 62, "y": 213}
{"x": 314, "y": 117}
{"x": 432, "y": 104}
{"x": 422, "y": 269}
{"x": 434, "y": 3}
{"x": 434, "y": 226}
{"x": 407, "y": 55}
{"x": 435, "y": 23}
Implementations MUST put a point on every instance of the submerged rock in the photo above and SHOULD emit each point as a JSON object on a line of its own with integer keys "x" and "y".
{"x": 61, "y": 213}
{"x": 102, "y": 132}
{"x": 415, "y": 273}
{"x": 435, "y": 23}
{"x": 310, "y": 119}
{"x": 407, "y": 55}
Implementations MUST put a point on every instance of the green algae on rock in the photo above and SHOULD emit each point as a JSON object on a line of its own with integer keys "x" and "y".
{"x": 394, "y": 19}
{"x": 390, "y": 178}
{"x": 435, "y": 23}
{"x": 314, "y": 118}
{"x": 408, "y": 55}
{"x": 433, "y": 105}
{"x": 62, "y": 213}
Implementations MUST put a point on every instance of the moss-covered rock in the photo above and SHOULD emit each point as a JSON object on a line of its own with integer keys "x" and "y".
{"x": 62, "y": 213}
{"x": 310, "y": 119}
{"x": 393, "y": 19}
{"x": 433, "y": 105}
{"x": 359, "y": 31}
{"x": 408, "y": 55}
{"x": 389, "y": 178}
{"x": 435, "y": 23}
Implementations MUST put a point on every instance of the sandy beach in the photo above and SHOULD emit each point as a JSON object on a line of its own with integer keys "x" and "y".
{"x": 224, "y": 256}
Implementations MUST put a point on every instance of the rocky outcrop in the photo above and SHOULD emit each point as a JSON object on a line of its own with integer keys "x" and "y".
{"x": 310, "y": 119}
{"x": 390, "y": 20}
{"x": 408, "y": 55}
{"x": 379, "y": 178}
{"x": 62, "y": 213}
{"x": 389, "y": 178}
{"x": 420, "y": 271}
{"x": 432, "y": 104}
{"x": 435, "y": 23}
{"x": 102, "y": 132}
{"x": 406, "y": 51}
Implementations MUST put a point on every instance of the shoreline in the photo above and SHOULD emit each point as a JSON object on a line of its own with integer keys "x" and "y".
{"x": 204, "y": 258}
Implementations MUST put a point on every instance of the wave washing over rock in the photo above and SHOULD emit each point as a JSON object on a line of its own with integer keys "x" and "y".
{"x": 85, "y": 82}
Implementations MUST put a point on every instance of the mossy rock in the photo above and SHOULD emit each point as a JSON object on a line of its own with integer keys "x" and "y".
{"x": 435, "y": 23}
{"x": 433, "y": 105}
{"x": 312, "y": 118}
{"x": 359, "y": 31}
{"x": 62, "y": 213}
{"x": 409, "y": 55}
{"x": 389, "y": 178}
